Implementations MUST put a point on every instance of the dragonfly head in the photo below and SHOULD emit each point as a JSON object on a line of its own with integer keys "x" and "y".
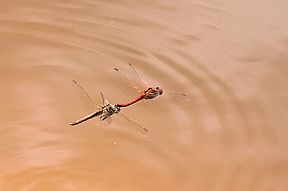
{"x": 151, "y": 93}
{"x": 116, "y": 108}
{"x": 159, "y": 90}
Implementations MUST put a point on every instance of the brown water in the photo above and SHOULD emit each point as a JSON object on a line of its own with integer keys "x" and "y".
{"x": 229, "y": 57}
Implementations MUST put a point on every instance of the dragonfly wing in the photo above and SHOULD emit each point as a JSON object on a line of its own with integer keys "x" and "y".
{"x": 90, "y": 104}
{"x": 138, "y": 78}
{"x": 128, "y": 123}
{"x": 107, "y": 121}
{"x": 132, "y": 80}
{"x": 178, "y": 97}
{"x": 104, "y": 99}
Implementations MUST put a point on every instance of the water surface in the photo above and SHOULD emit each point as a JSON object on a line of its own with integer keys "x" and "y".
{"x": 229, "y": 57}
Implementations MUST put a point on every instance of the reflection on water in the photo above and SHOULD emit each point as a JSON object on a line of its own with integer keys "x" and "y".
{"x": 228, "y": 56}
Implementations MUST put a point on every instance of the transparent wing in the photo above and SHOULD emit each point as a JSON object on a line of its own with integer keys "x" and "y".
{"x": 125, "y": 122}
{"x": 107, "y": 121}
{"x": 178, "y": 97}
{"x": 138, "y": 78}
{"x": 173, "y": 96}
{"x": 124, "y": 78}
{"x": 89, "y": 103}
{"x": 131, "y": 79}
{"x": 104, "y": 99}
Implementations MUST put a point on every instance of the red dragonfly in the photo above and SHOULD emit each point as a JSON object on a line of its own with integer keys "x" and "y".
{"x": 104, "y": 111}
{"x": 146, "y": 91}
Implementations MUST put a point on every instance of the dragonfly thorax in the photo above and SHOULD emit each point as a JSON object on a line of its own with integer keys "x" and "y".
{"x": 110, "y": 109}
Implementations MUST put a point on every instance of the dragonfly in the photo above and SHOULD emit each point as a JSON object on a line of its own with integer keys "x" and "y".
{"x": 146, "y": 91}
{"x": 105, "y": 112}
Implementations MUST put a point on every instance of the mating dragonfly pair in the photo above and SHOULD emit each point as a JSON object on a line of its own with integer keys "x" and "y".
{"x": 146, "y": 92}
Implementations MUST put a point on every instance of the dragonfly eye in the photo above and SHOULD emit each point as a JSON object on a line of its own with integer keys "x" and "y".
{"x": 160, "y": 91}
